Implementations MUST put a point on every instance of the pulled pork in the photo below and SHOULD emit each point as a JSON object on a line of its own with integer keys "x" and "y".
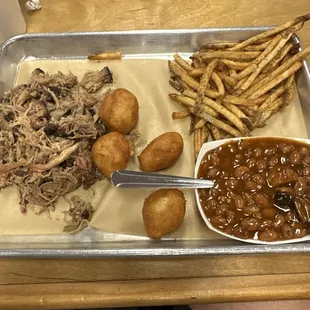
{"x": 47, "y": 128}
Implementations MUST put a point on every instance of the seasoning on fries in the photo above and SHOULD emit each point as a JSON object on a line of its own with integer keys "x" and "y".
{"x": 234, "y": 87}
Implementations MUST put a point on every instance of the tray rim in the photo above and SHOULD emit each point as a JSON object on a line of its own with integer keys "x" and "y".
{"x": 131, "y": 32}
{"x": 162, "y": 249}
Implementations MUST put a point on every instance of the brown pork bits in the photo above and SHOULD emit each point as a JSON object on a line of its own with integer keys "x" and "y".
{"x": 262, "y": 188}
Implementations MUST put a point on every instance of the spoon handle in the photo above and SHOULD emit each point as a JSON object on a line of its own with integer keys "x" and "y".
{"x": 135, "y": 179}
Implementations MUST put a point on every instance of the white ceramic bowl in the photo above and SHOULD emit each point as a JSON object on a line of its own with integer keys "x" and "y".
{"x": 214, "y": 144}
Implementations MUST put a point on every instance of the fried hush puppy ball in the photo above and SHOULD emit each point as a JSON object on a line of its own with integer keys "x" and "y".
{"x": 162, "y": 152}
{"x": 163, "y": 212}
{"x": 110, "y": 153}
{"x": 119, "y": 111}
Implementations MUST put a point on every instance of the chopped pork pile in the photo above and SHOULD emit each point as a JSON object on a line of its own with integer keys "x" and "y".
{"x": 47, "y": 128}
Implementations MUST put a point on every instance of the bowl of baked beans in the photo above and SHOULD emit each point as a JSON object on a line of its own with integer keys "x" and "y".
{"x": 261, "y": 191}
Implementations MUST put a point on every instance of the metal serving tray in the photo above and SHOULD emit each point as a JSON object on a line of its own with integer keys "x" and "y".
{"x": 160, "y": 44}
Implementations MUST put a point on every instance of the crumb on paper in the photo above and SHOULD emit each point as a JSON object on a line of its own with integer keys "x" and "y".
{"x": 33, "y": 5}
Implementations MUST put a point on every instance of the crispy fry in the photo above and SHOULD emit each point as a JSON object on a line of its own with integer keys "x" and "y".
{"x": 215, "y": 132}
{"x": 250, "y": 112}
{"x": 243, "y": 101}
{"x": 264, "y": 62}
{"x": 200, "y": 123}
{"x": 196, "y": 72}
{"x": 273, "y": 108}
{"x": 106, "y": 56}
{"x": 275, "y": 61}
{"x": 287, "y": 90}
{"x": 236, "y": 111}
{"x": 220, "y": 109}
{"x": 192, "y": 83}
{"x": 272, "y": 98}
{"x": 232, "y": 73}
{"x": 201, "y": 135}
{"x": 189, "y": 102}
{"x": 176, "y": 69}
{"x": 218, "y": 82}
{"x": 174, "y": 83}
{"x": 192, "y": 123}
{"x": 270, "y": 33}
{"x": 243, "y": 84}
{"x": 258, "y": 47}
{"x": 260, "y": 58}
{"x": 227, "y": 79}
{"x": 285, "y": 66}
{"x": 212, "y": 120}
{"x": 290, "y": 83}
{"x": 183, "y": 63}
{"x": 216, "y": 46}
{"x": 197, "y": 63}
{"x": 180, "y": 115}
{"x": 235, "y": 64}
{"x": 229, "y": 55}
{"x": 204, "y": 83}
{"x": 238, "y": 85}
{"x": 277, "y": 80}
{"x": 216, "y": 77}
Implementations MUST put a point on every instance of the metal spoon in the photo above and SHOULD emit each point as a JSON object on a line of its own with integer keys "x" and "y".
{"x": 134, "y": 179}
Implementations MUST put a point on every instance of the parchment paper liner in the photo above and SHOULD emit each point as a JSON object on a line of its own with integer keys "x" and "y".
{"x": 120, "y": 210}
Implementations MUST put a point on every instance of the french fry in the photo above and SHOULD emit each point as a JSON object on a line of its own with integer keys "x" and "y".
{"x": 197, "y": 63}
{"x": 180, "y": 115}
{"x": 285, "y": 66}
{"x": 239, "y": 84}
{"x": 216, "y": 77}
{"x": 243, "y": 101}
{"x": 232, "y": 87}
{"x": 189, "y": 102}
{"x": 215, "y": 132}
{"x": 219, "y": 124}
{"x": 227, "y": 79}
{"x": 236, "y": 111}
{"x": 192, "y": 83}
{"x": 218, "y": 82}
{"x": 264, "y": 62}
{"x": 201, "y": 135}
{"x": 260, "y": 58}
{"x": 183, "y": 63}
{"x": 275, "y": 61}
{"x": 192, "y": 123}
{"x": 277, "y": 80}
{"x": 106, "y": 56}
{"x": 229, "y": 55}
{"x": 271, "y": 32}
{"x": 196, "y": 72}
{"x": 204, "y": 83}
{"x": 258, "y": 47}
{"x": 174, "y": 83}
{"x": 272, "y": 98}
{"x": 220, "y": 109}
{"x": 273, "y": 107}
{"x": 216, "y": 46}
{"x": 200, "y": 123}
{"x": 250, "y": 112}
{"x": 176, "y": 69}
{"x": 236, "y": 65}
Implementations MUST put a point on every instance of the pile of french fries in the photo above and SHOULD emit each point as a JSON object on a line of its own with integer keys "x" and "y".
{"x": 231, "y": 88}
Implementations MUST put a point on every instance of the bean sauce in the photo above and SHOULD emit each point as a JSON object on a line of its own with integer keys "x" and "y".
{"x": 261, "y": 188}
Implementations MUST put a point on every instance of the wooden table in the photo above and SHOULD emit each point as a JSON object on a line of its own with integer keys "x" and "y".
{"x": 69, "y": 283}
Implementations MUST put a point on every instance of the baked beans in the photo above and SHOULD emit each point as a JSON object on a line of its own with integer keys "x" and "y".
{"x": 262, "y": 188}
